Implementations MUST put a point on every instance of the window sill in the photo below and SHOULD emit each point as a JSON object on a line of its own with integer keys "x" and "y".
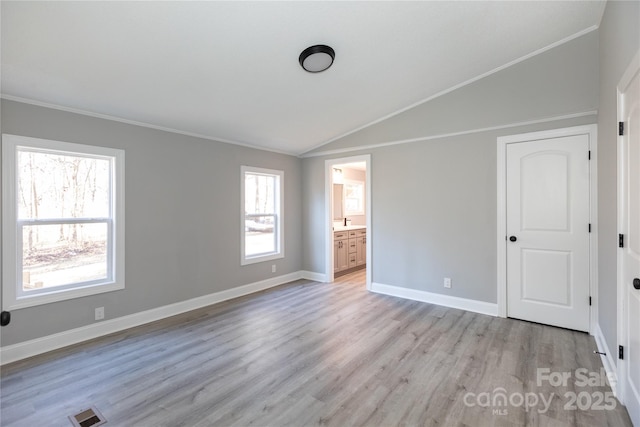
{"x": 261, "y": 258}
{"x": 57, "y": 296}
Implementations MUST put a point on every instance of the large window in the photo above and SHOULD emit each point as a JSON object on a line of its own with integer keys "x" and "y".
{"x": 63, "y": 228}
{"x": 261, "y": 215}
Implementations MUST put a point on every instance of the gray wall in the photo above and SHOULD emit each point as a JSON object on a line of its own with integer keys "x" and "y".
{"x": 182, "y": 217}
{"x": 619, "y": 41}
{"x": 434, "y": 201}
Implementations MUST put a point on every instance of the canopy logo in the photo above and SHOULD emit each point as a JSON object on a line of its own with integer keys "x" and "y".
{"x": 499, "y": 400}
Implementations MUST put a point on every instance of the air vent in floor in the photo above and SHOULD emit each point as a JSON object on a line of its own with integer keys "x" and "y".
{"x": 87, "y": 418}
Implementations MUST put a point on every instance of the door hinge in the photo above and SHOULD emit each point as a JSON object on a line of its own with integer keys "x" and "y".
{"x": 589, "y": 227}
{"x": 589, "y": 300}
{"x": 620, "y": 352}
{"x": 589, "y": 156}
{"x": 621, "y": 240}
{"x": 621, "y": 128}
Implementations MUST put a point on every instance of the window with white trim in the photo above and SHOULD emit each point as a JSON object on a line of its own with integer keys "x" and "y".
{"x": 262, "y": 207}
{"x": 63, "y": 228}
{"x": 353, "y": 197}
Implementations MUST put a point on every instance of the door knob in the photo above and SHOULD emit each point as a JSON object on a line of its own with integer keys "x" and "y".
{"x": 636, "y": 283}
{"x": 513, "y": 238}
{"x": 5, "y": 318}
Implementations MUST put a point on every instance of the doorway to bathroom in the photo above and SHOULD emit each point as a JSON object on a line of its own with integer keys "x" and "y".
{"x": 348, "y": 237}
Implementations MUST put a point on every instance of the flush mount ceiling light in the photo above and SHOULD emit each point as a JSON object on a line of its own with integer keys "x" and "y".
{"x": 315, "y": 59}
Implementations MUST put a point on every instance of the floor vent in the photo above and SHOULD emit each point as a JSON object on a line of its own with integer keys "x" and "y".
{"x": 88, "y": 418}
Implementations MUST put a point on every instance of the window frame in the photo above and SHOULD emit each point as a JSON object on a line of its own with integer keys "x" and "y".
{"x": 352, "y": 182}
{"x": 13, "y": 295}
{"x": 278, "y": 216}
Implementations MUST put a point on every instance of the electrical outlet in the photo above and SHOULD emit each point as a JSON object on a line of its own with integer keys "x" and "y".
{"x": 273, "y": 268}
{"x": 99, "y": 313}
{"x": 447, "y": 282}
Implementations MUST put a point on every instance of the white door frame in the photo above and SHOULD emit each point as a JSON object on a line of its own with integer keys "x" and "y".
{"x": 328, "y": 203}
{"x": 592, "y": 132}
{"x": 622, "y": 331}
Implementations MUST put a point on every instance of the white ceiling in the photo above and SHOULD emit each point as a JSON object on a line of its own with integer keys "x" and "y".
{"x": 229, "y": 70}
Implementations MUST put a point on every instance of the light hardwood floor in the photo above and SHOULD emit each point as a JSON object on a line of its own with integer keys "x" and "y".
{"x": 308, "y": 353}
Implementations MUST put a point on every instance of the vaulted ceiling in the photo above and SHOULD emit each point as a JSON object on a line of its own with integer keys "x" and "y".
{"x": 229, "y": 70}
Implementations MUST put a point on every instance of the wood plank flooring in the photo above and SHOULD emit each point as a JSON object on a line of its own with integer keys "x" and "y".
{"x": 308, "y": 353}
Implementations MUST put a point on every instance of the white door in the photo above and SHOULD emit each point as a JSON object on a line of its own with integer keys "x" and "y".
{"x": 547, "y": 203}
{"x": 630, "y": 253}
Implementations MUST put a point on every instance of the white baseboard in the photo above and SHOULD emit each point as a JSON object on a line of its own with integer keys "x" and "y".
{"x": 312, "y": 275}
{"x": 608, "y": 361}
{"x": 37, "y": 346}
{"x": 439, "y": 299}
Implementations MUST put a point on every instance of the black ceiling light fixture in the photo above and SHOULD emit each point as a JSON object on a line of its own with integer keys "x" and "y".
{"x": 316, "y": 59}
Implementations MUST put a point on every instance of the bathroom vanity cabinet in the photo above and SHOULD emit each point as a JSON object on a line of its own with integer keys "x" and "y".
{"x": 349, "y": 249}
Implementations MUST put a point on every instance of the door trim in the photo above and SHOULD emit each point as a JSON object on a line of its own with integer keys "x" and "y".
{"x": 622, "y": 337}
{"x": 592, "y": 132}
{"x": 328, "y": 204}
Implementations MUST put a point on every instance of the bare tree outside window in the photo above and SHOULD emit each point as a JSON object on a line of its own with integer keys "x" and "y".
{"x": 63, "y": 210}
{"x": 260, "y": 214}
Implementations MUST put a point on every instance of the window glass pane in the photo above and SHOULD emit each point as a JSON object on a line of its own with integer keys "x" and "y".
{"x": 261, "y": 204}
{"x": 259, "y": 193}
{"x": 259, "y": 234}
{"x": 353, "y": 198}
{"x": 62, "y": 254}
{"x": 62, "y": 186}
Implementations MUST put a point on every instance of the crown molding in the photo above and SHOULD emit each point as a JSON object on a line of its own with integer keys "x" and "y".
{"x": 448, "y": 135}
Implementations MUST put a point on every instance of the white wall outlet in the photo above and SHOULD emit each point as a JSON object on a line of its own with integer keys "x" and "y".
{"x": 447, "y": 282}
{"x": 99, "y": 313}
{"x": 273, "y": 268}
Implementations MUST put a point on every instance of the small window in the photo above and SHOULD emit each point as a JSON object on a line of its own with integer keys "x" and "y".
{"x": 353, "y": 198}
{"x": 261, "y": 197}
{"x": 63, "y": 210}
